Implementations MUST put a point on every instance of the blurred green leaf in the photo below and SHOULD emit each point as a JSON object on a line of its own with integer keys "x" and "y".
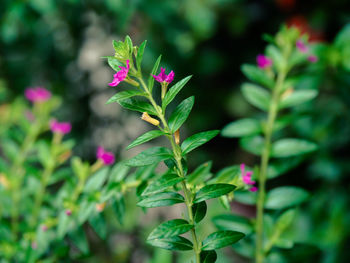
{"x": 242, "y": 127}
{"x": 233, "y": 222}
{"x": 208, "y": 256}
{"x": 253, "y": 144}
{"x": 298, "y": 97}
{"x": 285, "y": 196}
{"x": 257, "y": 96}
{"x": 257, "y": 75}
{"x": 291, "y": 147}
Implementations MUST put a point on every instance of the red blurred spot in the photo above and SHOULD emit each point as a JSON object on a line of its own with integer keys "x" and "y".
{"x": 302, "y": 24}
{"x": 286, "y": 4}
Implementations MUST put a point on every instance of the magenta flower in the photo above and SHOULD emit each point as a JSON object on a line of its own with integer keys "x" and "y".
{"x": 301, "y": 46}
{"x": 247, "y": 178}
{"x": 312, "y": 58}
{"x": 263, "y": 61}
{"x": 120, "y": 75}
{"x": 60, "y": 127}
{"x": 34, "y": 245}
{"x": 44, "y": 228}
{"x": 37, "y": 94}
{"x": 162, "y": 77}
{"x": 68, "y": 212}
{"x": 106, "y": 157}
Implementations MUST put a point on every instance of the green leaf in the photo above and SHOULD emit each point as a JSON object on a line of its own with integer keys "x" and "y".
{"x": 221, "y": 239}
{"x": 173, "y": 91}
{"x": 208, "y": 256}
{"x": 180, "y": 114}
{"x": 200, "y": 175}
{"x": 197, "y": 140}
{"x": 253, "y": 144}
{"x": 298, "y": 97}
{"x": 226, "y": 175}
{"x": 150, "y": 156}
{"x": 162, "y": 183}
{"x": 285, "y": 220}
{"x": 99, "y": 225}
{"x": 257, "y": 75}
{"x": 257, "y": 96}
{"x": 292, "y": 147}
{"x": 199, "y": 211}
{"x": 153, "y": 72}
{"x": 172, "y": 243}
{"x": 136, "y": 105}
{"x": 95, "y": 182}
{"x": 275, "y": 54}
{"x": 145, "y": 138}
{"x": 286, "y": 196}
{"x": 242, "y": 127}
{"x": 114, "y": 63}
{"x": 79, "y": 239}
{"x": 161, "y": 199}
{"x": 233, "y": 222}
{"x": 140, "y": 52}
{"x": 213, "y": 191}
{"x": 122, "y": 95}
{"x": 119, "y": 207}
{"x": 128, "y": 41}
{"x": 170, "y": 228}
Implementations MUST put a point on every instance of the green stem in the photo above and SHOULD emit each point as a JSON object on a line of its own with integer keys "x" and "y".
{"x": 180, "y": 171}
{"x": 272, "y": 114}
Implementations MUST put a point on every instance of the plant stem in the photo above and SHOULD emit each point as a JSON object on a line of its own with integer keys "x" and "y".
{"x": 272, "y": 114}
{"x": 180, "y": 171}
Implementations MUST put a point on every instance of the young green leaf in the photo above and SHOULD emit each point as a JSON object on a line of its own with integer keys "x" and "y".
{"x": 257, "y": 75}
{"x": 292, "y": 147}
{"x": 128, "y": 41}
{"x": 145, "y": 138}
{"x": 162, "y": 183}
{"x": 150, "y": 156}
{"x": 140, "y": 52}
{"x": 208, "y": 256}
{"x": 170, "y": 228}
{"x": 257, "y": 96}
{"x": 242, "y": 127}
{"x": 172, "y": 243}
{"x": 197, "y": 140}
{"x": 221, "y": 239}
{"x": 226, "y": 175}
{"x": 96, "y": 180}
{"x": 114, "y": 63}
{"x": 279, "y": 62}
{"x": 180, "y": 114}
{"x": 122, "y": 95}
{"x": 161, "y": 199}
{"x": 173, "y": 91}
{"x": 298, "y": 97}
{"x": 136, "y": 105}
{"x": 252, "y": 144}
{"x": 119, "y": 207}
{"x": 199, "y": 210}
{"x": 286, "y": 196}
{"x": 153, "y": 72}
{"x": 213, "y": 191}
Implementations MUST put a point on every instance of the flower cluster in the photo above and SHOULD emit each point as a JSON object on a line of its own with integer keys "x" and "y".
{"x": 106, "y": 157}
{"x": 303, "y": 48}
{"x": 120, "y": 75}
{"x": 247, "y": 178}
{"x": 37, "y": 94}
{"x": 60, "y": 127}
{"x": 164, "y": 78}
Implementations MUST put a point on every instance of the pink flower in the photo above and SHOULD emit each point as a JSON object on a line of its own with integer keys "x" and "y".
{"x": 60, "y": 127}
{"x": 312, "y": 58}
{"x": 34, "y": 245}
{"x": 37, "y": 94}
{"x": 247, "y": 178}
{"x": 68, "y": 212}
{"x": 263, "y": 61}
{"x": 301, "y": 46}
{"x": 120, "y": 75}
{"x": 162, "y": 77}
{"x": 44, "y": 228}
{"x": 106, "y": 157}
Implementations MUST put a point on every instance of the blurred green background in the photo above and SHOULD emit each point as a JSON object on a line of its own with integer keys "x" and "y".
{"x": 59, "y": 44}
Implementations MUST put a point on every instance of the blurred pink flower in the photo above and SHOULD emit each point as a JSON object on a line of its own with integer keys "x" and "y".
{"x": 106, "y": 157}
{"x": 34, "y": 245}
{"x": 37, "y": 94}
{"x": 247, "y": 178}
{"x": 60, "y": 127}
{"x": 44, "y": 227}
{"x": 301, "y": 46}
{"x": 263, "y": 61}
{"x": 162, "y": 77}
{"x": 120, "y": 75}
{"x": 68, "y": 212}
{"x": 312, "y": 58}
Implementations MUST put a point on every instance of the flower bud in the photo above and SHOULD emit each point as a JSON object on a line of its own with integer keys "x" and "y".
{"x": 100, "y": 207}
{"x": 177, "y": 137}
{"x": 146, "y": 117}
